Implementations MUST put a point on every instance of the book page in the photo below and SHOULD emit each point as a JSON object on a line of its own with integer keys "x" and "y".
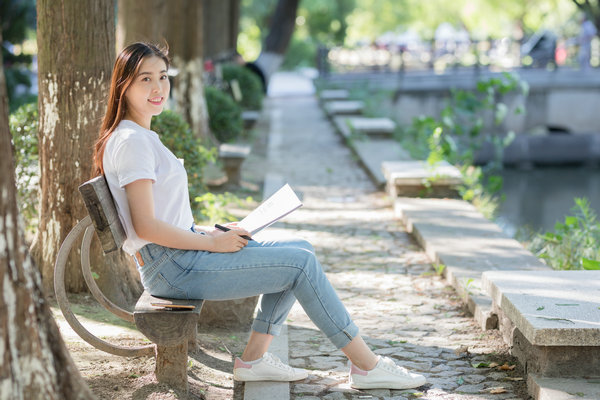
{"x": 280, "y": 204}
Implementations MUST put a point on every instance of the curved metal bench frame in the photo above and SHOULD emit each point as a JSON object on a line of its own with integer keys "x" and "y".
{"x": 86, "y": 228}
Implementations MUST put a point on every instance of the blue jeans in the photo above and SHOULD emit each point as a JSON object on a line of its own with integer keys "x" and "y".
{"x": 282, "y": 271}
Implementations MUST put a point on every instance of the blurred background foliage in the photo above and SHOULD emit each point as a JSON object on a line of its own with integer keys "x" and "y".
{"x": 351, "y": 22}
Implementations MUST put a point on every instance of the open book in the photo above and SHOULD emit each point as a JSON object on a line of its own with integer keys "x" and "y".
{"x": 280, "y": 204}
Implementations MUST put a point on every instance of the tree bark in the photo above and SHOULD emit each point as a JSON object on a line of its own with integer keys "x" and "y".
{"x": 140, "y": 21}
{"x": 73, "y": 85}
{"x": 178, "y": 23}
{"x": 221, "y": 27}
{"x": 34, "y": 362}
{"x": 281, "y": 29}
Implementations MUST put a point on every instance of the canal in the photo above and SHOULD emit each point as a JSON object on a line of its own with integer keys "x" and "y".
{"x": 536, "y": 199}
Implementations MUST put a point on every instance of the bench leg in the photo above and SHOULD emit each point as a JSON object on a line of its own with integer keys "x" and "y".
{"x": 193, "y": 340}
{"x": 171, "y": 365}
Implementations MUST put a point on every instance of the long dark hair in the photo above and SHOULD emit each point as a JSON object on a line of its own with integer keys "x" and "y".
{"x": 125, "y": 70}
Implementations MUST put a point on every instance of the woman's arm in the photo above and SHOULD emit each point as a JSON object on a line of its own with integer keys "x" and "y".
{"x": 147, "y": 227}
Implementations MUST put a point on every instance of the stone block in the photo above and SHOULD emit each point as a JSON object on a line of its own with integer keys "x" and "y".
{"x": 550, "y": 308}
{"x": 232, "y": 156}
{"x": 334, "y": 94}
{"x": 249, "y": 118}
{"x": 419, "y": 179}
{"x": 373, "y": 127}
{"x": 541, "y": 388}
{"x": 344, "y": 107}
{"x": 550, "y": 319}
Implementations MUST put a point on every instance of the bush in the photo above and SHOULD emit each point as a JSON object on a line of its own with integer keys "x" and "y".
{"x": 574, "y": 244}
{"x": 23, "y": 124}
{"x": 250, "y": 85}
{"x": 176, "y": 134}
{"x": 225, "y": 116}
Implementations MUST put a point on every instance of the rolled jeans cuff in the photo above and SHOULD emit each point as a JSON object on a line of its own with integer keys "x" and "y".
{"x": 345, "y": 336}
{"x": 266, "y": 327}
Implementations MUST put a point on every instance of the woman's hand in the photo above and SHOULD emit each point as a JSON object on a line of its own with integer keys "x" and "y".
{"x": 228, "y": 242}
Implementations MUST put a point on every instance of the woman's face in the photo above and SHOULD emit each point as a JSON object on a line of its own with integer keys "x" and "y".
{"x": 147, "y": 94}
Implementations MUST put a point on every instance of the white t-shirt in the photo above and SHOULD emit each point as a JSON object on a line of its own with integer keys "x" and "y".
{"x": 133, "y": 152}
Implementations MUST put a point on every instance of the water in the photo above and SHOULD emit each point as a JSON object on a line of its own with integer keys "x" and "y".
{"x": 538, "y": 198}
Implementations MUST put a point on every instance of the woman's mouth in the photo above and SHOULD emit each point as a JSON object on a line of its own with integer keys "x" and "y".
{"x": 156, "y": 100}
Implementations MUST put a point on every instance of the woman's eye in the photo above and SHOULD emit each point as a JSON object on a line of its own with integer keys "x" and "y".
{"x": 163, "y": 77}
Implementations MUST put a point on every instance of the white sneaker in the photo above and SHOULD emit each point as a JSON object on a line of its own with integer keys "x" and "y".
{"x": 386, "y": 375}
{"x": 267, "y": 368}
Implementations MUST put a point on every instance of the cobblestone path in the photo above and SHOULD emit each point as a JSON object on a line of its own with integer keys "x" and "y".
{"x": 404, "y": 309}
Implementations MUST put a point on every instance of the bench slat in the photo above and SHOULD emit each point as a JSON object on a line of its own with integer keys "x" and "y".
{"x": 166, "y": 327}
{"x": 101, "y": 208}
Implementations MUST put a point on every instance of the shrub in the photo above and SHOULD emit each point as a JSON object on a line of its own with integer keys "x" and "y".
{"x": 250, "y": 85}
{"x": 23, "y": 124}
{"x": 574, "y": 244}
{"x": 176, "y": 134}
{"x": 225, "y": 116}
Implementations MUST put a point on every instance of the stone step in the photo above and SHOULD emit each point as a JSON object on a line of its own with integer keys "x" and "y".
{"x": 551, "y": 319}
{"x": 334, "y": 94}
{"x": 453, "y": 233}
{"x": 371, "y": 153}
{"x": 420, "y": 179}
{"x": 372, "y": 127}
{"x": 541, "y": 388}
{"x": 344, "y": 107}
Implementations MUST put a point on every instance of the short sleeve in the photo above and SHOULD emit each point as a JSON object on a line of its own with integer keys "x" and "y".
{"x": 134, "y": 159}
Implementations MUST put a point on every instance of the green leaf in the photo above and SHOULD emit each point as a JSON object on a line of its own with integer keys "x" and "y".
{"x": 95, "y": 276}
{"x": 481, "y": 365}
{"x": 540, "y": 308}
{"x": 590, "y": 265}
{"x": 571, "y": 221}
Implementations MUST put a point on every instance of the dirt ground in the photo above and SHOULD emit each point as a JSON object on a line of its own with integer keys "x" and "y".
{"x": 116, "y": 378}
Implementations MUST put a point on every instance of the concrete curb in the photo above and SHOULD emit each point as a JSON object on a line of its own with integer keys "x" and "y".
{"x": 279, "y": 346}
{"x": 266, "y": 389}
{"x": 455, "y": 234}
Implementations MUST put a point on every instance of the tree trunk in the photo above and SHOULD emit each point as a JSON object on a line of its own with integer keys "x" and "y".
{"x": 73, "y": 85}
{"x": 221, "y": 22}
{"x": 179, "y": 23}
{"x": 35, "y": 363}
{"x": 591, "y": 9}
{"x": 140, "y": 21}
{"x": 278, "y": 39}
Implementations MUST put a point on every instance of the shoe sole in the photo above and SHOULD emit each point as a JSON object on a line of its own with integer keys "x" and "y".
{"x": 383, "y": 386}
{"x": 260, "y": 378}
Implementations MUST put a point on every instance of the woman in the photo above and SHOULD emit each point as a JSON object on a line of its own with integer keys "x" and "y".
{"x": 179, "y": 260}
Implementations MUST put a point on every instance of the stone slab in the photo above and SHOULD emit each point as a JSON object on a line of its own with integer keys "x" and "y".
{"x": 228, "y": 150}
{"x": 550, "y": 308}
{"x": 541, "y": 388}
{"x": 453, "y": 233}
{"x": 420, "y": 179}
{"x": 250, "y": 117}
{"x": 268, "y": 389}
{"x": 344, "y": 107}
{"x": 416, "y": 172}
{"x": 334, "y": 94}
{"x": 372, "y": 153}
{"x": 373, "y": 127}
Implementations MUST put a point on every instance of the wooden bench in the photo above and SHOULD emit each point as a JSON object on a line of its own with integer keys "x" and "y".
{"x": 172, "y": 332}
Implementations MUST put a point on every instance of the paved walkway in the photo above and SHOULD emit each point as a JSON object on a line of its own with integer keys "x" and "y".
{"x": 403, "y": 308}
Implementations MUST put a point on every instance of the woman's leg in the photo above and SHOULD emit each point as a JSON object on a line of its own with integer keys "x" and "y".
{"x": 282, "y": 274}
